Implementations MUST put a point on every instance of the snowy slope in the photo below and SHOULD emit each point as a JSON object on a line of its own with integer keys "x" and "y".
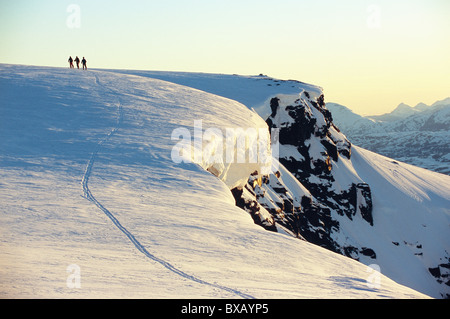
{"x": 252, "y": 91}
{"x": 411, "y": 221}
{"x": 325, "y": 196}
{"x": 88, "y": 183}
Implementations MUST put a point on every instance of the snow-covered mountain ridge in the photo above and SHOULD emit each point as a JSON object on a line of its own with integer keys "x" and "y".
{"x": 324, "y": 194}
{"x": 416, "y": 135}
{"x": 88, "y": 180}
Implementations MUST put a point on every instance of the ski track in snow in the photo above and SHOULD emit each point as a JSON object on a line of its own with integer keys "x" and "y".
{"x": 88, "y": 195}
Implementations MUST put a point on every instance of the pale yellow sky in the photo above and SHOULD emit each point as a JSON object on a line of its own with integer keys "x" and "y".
{"x": 369, "y": 55}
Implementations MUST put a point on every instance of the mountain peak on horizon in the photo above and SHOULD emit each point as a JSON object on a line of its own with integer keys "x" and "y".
{"x": 421, "y": 106}
{"x": 402, "y": 108}
{"x": 445, "y": 101}
{"x": 403, "y": 105}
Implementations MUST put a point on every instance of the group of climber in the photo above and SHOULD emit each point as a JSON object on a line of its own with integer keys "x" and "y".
{"x": 77, "y": 61}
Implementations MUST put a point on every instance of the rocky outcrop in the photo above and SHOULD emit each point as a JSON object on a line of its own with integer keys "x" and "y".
{"x": 310, "y": 148}
{"x": 442, "y": 274}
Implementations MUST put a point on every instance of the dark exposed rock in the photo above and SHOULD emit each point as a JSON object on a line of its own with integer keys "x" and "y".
{"x": 368, "y": 252}
{"x": 274, "y": 103}
{"x": 361, "y": 198}
{"x": 331, "y": 149}
{"x": 254, "y": 209}
{"x": 316, "y": 224}
{"x": 436, "y": 272}
{"x": 301, "y": 133}
{"x": 330, "y": 197}
{"x": 306, "y": 125}
{"x": 442, "y": 274}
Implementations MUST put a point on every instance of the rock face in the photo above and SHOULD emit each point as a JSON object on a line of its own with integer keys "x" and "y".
{"x": 336, "y": 194}
{"x": 315, "y": 184}
{"x": 442, "y": 273}
{"x": 318, "y": 195}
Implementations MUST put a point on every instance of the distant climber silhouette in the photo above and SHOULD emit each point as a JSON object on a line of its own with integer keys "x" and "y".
{"x": 83, "y": 62}
{"x": 70, "y": 62}
{"x": 77, "y": 61}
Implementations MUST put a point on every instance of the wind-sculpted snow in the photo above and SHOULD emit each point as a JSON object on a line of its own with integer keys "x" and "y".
{"x": 141, "y": 225}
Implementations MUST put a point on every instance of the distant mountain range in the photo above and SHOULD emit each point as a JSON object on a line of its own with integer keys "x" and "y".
{"x": 416, "y": 135}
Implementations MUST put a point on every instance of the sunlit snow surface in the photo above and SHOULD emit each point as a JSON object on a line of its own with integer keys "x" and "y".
{"x": 87, "y": 179}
